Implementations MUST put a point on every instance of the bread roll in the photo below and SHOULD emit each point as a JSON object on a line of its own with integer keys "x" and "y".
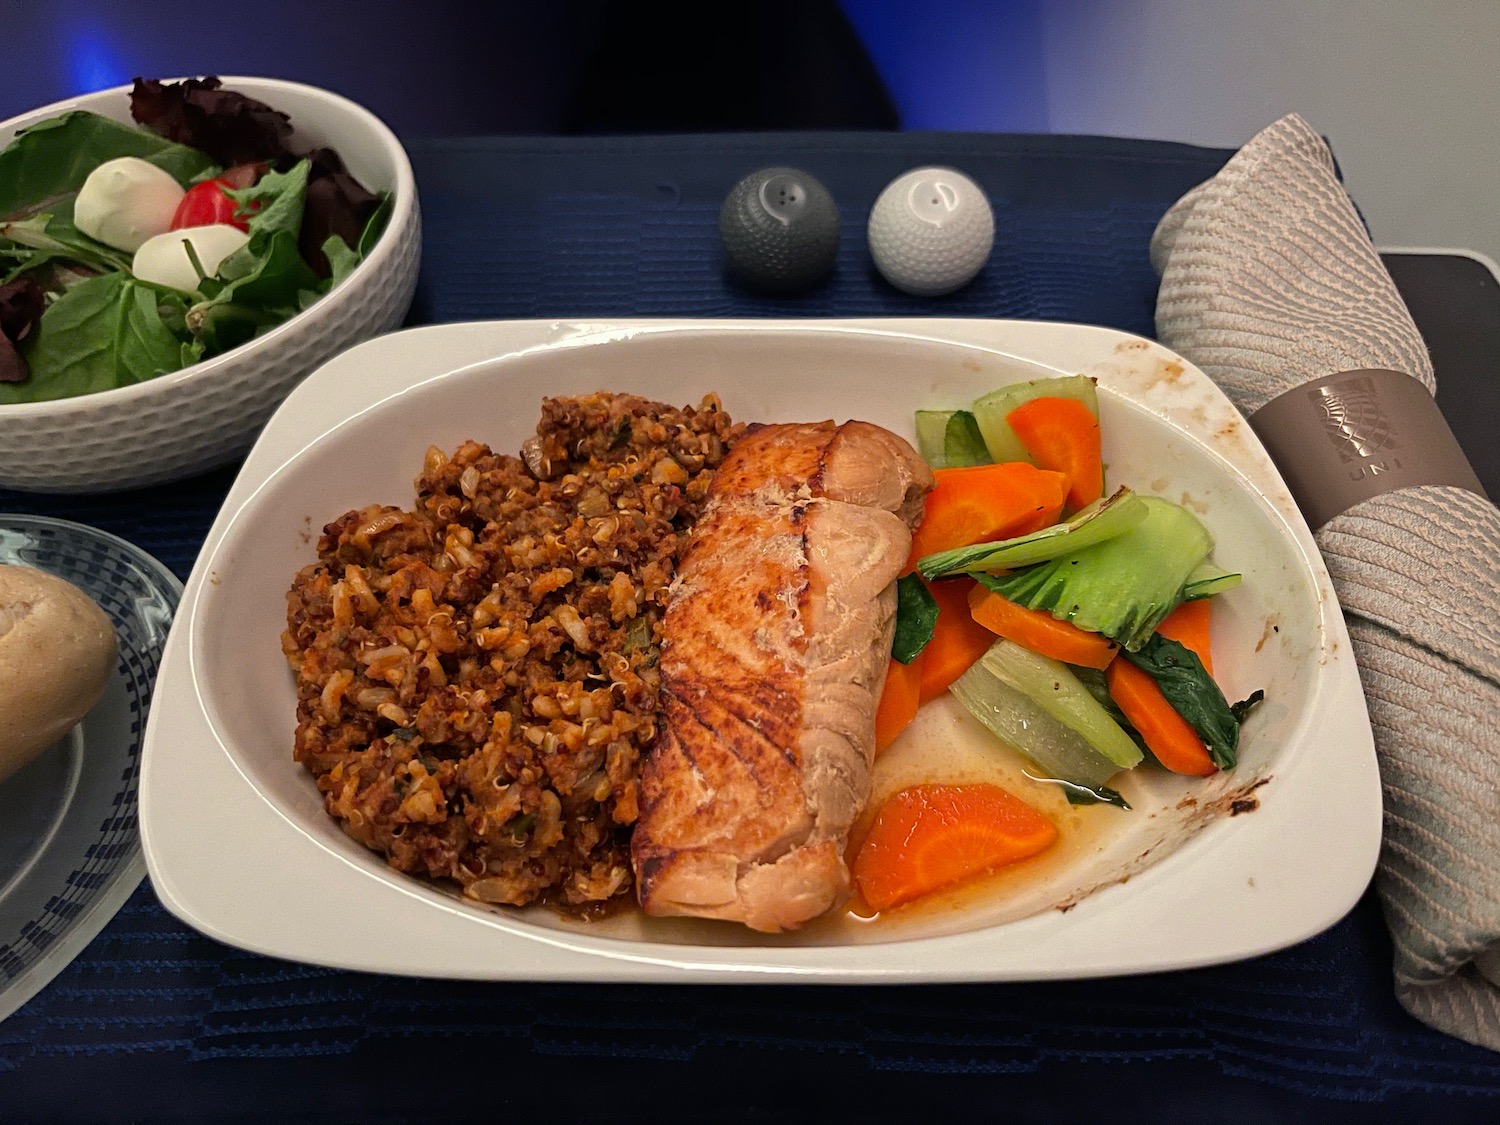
{"x": 57, "y": 650}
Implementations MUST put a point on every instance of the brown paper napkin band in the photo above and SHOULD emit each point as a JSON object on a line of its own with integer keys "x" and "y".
{"x": 1343, "y": 438}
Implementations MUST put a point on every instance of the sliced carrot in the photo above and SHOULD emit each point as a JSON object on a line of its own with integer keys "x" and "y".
{"x": 983, "y": 503}
{"x": 1063, "y": 434}
{"x": 931, "y": 836}
{"x": 1167, "y": 734}
{"x": 957, "y": 641}
{"x": 899, "y": 700}
{"x": 1188, "y": 625}
{"x": 1039, "y": 631}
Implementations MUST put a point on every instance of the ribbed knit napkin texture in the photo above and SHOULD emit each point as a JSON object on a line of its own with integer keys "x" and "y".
{"x": 1268, "y": 279}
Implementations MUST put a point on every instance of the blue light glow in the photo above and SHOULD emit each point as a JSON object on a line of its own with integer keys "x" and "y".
{"x": 962, "y": 64}
{"x": 93, "y": 60}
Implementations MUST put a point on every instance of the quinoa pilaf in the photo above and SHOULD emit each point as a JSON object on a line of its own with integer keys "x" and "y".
{"x": 476, "y": 677}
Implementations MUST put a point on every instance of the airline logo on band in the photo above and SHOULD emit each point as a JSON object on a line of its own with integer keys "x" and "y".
{"x": 1355, "y": 421}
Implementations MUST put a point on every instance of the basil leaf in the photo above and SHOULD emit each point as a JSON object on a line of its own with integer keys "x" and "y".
{"x": 54, "y": 157}
{"x": 102, "y": 333}
{"x": 1192, "y": 693}
{"x": 916, "y": 618}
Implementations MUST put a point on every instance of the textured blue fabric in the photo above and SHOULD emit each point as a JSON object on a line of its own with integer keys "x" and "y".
{"x": 157, "y": 1023}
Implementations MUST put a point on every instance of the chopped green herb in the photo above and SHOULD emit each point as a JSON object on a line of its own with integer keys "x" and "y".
{"x": 637, "y": 634}
{"x": 622, "y": 434}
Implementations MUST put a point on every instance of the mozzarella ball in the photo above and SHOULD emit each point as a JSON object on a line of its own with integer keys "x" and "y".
{"x": 164, "y": 260}
{"x": 126, "y": 201}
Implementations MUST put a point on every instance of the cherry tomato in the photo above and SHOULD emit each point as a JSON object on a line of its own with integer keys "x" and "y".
{"x": 206, "y": 204}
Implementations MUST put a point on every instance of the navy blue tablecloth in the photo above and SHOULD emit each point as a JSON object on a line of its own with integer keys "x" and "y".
{"x": 155, "y": 1022}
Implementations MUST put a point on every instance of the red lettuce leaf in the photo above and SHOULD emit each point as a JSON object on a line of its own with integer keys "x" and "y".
{"x": 337, "y": 203}
{"x": 198, "y": 112}
{"x": 22, "y": 303}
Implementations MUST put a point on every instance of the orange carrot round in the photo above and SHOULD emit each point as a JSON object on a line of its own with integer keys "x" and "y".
{"x": 1040, "y": 632}
{"x": 984, "y": 503}
{"x": 957, "y": 641}
{"x": 1167, "y": 734}
{"x": 1063, "y": 434}
{"x": 899, "y": 700}
{"x": 932, "y": 836}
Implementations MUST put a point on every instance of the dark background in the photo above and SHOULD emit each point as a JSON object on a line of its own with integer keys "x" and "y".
{"x": 444, "y": 68}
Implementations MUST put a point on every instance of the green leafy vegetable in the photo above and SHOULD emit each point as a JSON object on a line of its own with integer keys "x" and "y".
{"x": 105, "y": 332}
{"x": 268, "y": 280}
{"x": 1094, "y": 524}
{"x": 950, "y": 439}
{"x": 1243, "y": 708}
{"x": 375, "y": 225}
{"x": 274, "y": 203}
{"x": 104, "y": 328}
{"x": 264, "y": 281}
{"x": 53, "y": 234}
{"x": 1193, "y": 694}
{"x": 338, "y": 204}
{"x": 1079, "y": 794}
{"x": 1121, "y": 587}
{"x": 53, "y": 158}
{"x": 237, "y": 129}
{"x": 1093, "y": 680}
{"x": 1039, "y": 707}
{"x": 341, "y": 259}
{"x": 916, "y": 618}
{"x": 1208, "y": 580}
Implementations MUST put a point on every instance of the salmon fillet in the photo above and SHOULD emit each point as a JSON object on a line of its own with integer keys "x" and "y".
{"x": 775, "y": 646}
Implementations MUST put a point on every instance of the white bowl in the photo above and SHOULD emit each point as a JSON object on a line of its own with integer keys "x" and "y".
{"x": 207, "y": 415}
{"x": 244, "y": 851}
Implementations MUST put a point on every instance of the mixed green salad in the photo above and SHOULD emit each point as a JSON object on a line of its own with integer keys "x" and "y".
{"x": 127, "y": 252}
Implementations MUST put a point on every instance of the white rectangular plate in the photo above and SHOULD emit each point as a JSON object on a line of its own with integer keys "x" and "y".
{"x": 237, "y": 843}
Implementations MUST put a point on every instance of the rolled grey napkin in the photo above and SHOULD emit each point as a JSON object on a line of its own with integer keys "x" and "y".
{"x": 1268, "y": 281}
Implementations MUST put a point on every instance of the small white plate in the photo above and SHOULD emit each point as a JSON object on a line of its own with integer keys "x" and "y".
{"x": 70, "y": 851}
{"x": 245, "y": 853}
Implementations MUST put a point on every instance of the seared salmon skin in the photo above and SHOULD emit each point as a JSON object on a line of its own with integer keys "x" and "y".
{"x": 775, "y": 645}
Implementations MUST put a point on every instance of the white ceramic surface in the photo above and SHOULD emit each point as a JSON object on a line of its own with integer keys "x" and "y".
{"x": 1203, "y": 885}
{"x": 208, "y": 414}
